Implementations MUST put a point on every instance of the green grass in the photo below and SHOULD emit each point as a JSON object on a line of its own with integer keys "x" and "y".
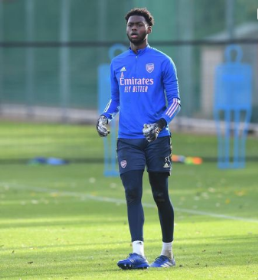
{"x": 28, "y": 140}
{"x": 56, "y": 224}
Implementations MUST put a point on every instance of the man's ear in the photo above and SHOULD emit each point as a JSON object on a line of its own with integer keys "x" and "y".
{"x": 149, "y": 30}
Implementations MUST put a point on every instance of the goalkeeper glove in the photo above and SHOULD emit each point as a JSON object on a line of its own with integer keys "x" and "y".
{"x": 101, "y": 126}
{"x": 152, "y": 130}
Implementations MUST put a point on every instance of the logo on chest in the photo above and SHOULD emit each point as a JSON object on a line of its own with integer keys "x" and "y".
{"x": 150, "y": 67}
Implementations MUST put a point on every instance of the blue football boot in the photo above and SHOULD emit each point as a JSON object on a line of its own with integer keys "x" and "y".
{"x": 163, "y": 261}
{"x": 134, "y": 261}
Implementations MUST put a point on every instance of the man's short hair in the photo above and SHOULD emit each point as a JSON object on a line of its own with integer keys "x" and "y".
{"x": 141, "y": 12}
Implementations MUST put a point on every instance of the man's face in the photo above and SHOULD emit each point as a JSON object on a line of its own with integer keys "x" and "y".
{"x": 137, "y": 29}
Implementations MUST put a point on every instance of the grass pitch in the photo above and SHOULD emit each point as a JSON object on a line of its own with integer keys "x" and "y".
{"x": 69, "y": 222}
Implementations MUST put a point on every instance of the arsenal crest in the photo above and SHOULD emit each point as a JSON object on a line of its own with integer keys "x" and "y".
{"x": 123, "y": 163}
{"x": 150, "y": 67}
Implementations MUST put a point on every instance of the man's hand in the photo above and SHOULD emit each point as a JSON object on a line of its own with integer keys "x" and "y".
{"x": 151, "y": 131}
{"x": 101, "y": 126}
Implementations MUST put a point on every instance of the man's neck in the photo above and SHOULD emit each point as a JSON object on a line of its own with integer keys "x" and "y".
{"x": 135, "y": 48}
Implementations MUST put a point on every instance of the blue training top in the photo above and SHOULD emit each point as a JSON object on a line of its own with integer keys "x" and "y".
{"x": 144, "y": 88}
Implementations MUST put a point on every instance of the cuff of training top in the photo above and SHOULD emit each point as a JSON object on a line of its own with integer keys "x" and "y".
{"x": 172, "y": 110}
{"x": 161, "y": 123}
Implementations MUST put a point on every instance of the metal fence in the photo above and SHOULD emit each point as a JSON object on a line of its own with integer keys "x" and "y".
{"x": 35, "y": 78}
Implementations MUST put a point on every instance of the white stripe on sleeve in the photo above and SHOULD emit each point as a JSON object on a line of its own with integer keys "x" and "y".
{"x": 173, "y": 107}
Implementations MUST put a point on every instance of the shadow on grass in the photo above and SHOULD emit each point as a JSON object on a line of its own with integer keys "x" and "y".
{"x": 84, "y": 261}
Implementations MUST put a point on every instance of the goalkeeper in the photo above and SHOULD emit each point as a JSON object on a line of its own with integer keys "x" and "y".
{"x": 144, "y": 89}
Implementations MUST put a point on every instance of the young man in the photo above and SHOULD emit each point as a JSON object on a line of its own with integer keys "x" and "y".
{"x": 144, "y": 89}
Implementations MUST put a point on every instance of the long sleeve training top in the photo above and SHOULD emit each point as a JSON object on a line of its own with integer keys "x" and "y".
{"x": 144, "y": 89}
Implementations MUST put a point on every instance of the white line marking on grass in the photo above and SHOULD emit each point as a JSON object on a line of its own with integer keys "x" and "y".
{"x": 122, "y": 201}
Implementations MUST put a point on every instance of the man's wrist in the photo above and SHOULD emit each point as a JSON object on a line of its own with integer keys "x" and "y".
{"x": 104, "y": 119}
{"x": 161, "y": 123}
